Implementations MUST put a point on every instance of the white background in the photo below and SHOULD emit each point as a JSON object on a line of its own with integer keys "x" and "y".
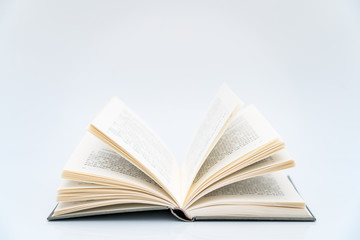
{"x": 61, "y": 61}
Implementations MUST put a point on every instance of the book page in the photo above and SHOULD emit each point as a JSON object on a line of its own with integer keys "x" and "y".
{"x": 95, "y": 158}
{"x": 252, "y": 212}
{"x": 276, "y": 162}
{"x": 70, "y": 207}
{"x": 281, "y": 156}
{"x": 249, "y": 131}
{"x": 82, "y": 186}
{"x": 114, "y": 194}
{"x": 252, "y": 187}
{"x": 269, "y": 189}
{"x": 218, "y": 116}
{"x": 126, "y": 133}
{"x": 120, "y": 208}
{"x": 271, "y": 196}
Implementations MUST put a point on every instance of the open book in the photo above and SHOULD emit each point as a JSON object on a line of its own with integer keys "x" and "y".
{"x": 230, "y": 170}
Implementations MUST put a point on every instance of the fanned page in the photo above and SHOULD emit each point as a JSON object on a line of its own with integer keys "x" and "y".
{"x": 248, "y": 138}
{"x": 127, "y": 134}
{"x": 221, "y": 111}
{"x": 94, "y": 157}
{"x": 270, "y": 196}
{"x": 98, "y": 176}
{"x": 278, "y": 161}
{"x": 109, "y": 209}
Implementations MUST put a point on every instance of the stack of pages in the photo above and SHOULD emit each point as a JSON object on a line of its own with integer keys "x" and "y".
{"x": 231, "y": 170}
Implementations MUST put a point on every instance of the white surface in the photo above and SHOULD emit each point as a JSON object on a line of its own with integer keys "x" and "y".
{"x": 61, "y": 61}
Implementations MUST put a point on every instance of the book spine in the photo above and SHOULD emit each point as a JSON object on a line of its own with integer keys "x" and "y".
{"x": 181, "y": 214}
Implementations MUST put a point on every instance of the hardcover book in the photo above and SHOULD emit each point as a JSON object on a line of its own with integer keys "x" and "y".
{"x": 231, "y": 170}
